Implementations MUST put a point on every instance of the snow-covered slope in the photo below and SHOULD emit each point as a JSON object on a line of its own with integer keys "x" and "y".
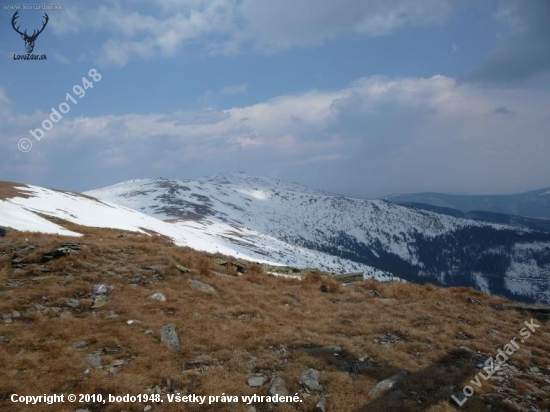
{"x": 22, "y": 211}
{"x": 290, "y": 224}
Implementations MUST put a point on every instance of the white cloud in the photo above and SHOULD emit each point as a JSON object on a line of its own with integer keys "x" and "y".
{"x": 229, "y": 26}
{"x": 278, "y": 25}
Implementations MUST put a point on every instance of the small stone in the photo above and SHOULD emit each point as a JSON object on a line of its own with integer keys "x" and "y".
{"x": 321, "y": 405}
{"x": 118, "y": 362}
{"x": 200, "y": 360}
{"x": 220, "y": 261}
{"x": 387, "y": 384}
{"x": 132, "y": 321}
{"x": 100, "y": 301}
{"x": 158, "y": 296}
{"x": 101, "y": 289}
{"x": 72, "y": 303}
{"x": 80, "y": 344}
{"x": 94, "y": 360}
{"x": 169, "y": 336}
{"x": 278, "y": 387}
{"x": 182, "y": 268}
{"x": 203, "y": 287}
{"x": 310, "y": 380}
{"x": 256, "y": 381}
{"x": 40, "y": 308}
{"x": 147, "y": 408}
{"x": 15, "y": 314}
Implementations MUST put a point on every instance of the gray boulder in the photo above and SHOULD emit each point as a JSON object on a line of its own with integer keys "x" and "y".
{"x": 256, "y": 381}
{"x": 169, "y": 336}
{"x": 203, "y": 287}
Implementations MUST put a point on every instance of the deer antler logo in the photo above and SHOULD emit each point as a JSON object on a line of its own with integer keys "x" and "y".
{"x": 29, "y": 40}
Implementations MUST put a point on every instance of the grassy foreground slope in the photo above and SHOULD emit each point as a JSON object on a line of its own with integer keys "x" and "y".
{"x": 59, "y": 335}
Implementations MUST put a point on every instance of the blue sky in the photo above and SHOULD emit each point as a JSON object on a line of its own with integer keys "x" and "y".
{"x": 358, "y": 97}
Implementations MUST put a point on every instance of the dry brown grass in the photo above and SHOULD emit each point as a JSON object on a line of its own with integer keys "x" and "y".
{"x": 8, "y": 190}
{"x": 284, "y": 325}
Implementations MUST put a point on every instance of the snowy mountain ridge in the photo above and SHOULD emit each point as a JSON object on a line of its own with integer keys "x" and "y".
{"x": 262, "y": 215}
{"x": 22, "y": 210}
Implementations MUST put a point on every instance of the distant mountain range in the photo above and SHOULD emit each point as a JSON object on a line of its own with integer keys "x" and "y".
{"x": 534, "y": 204}
{"x": 281, "y": 221}
{"x": 485, "y": 216}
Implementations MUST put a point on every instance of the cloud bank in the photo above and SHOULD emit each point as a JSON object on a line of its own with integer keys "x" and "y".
{"x": 376, "y": 136}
